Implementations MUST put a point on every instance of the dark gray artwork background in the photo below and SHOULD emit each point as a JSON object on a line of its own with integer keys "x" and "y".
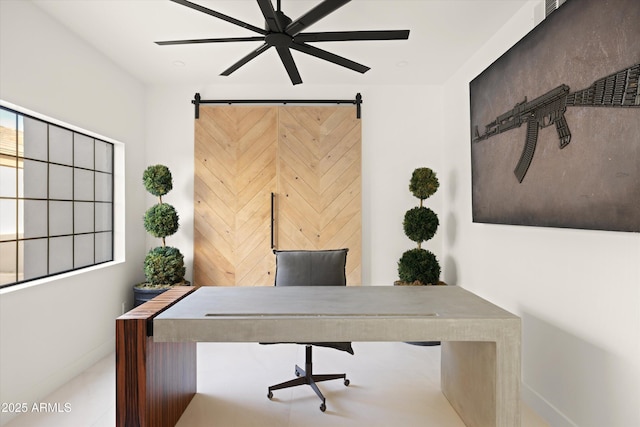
{"x": 592, "y": 183}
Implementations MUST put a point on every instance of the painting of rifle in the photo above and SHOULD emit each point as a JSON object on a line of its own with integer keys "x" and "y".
{"x": 620, "y": 89}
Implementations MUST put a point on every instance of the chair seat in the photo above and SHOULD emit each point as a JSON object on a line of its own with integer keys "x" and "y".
{"x": 342, "y": 346}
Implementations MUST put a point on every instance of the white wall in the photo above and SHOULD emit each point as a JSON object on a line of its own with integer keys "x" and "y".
{"x": 51, "y": 332}
{"x": 577, "y": 291}
{"x": 401, "y": 130}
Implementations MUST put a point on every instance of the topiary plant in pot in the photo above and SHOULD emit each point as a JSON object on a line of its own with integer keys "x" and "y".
{"x": 419, "y": 266}
{"x": 163, "y": 265}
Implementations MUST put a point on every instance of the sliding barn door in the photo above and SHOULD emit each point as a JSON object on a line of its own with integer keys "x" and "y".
{"x": 235, "y": 173}
{"x": 319, "y": 185}
{"x": 308, "y": 157}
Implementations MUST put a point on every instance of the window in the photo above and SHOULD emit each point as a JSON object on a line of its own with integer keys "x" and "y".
{"x": 56, "y": 198}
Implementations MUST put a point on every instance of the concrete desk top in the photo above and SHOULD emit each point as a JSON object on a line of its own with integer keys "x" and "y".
{"x": 332, "y": 313}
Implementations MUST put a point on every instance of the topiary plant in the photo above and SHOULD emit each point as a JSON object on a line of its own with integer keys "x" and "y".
{"x": 163, "y": 265}
{"x": 419, "y": 266}
{"x": 161, "y": 220}
{"x": 420, "y": 224}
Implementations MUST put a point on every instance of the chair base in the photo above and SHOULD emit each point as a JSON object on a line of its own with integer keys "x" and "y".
{"x": 306, "y": 376}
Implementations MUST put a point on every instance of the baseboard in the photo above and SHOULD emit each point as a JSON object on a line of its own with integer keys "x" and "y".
{"x": 544, "y": 409}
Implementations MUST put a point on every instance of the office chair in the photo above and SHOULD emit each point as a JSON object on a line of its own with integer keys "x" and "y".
{"x": 312, "y": 268}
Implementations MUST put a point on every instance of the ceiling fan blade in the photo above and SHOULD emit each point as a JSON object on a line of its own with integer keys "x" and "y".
{"x": 337, "y": 36}
{"x": 220, "y": 16}
{"x": 328, "y": 56}
{"x": 270, "y": 15}
{"x": 222, "y": 40}
{"x": 246, "y": 59}
{"x": 289, "y": 64}
{"x": 314, "y": 15}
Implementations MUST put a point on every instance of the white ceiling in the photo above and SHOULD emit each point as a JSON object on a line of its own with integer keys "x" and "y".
{"x": 444, "y": 33}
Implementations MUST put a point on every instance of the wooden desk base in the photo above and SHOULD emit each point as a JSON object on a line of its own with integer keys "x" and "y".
{"x": 154, "y": 381}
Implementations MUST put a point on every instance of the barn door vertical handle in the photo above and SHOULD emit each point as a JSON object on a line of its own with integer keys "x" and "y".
{"x": 273, "y": 220}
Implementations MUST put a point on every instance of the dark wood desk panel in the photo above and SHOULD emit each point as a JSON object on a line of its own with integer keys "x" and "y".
{"x": 154, "y": 381}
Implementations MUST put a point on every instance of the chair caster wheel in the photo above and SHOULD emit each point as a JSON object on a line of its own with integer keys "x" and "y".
{"x": 323, "y": 407}
{"x": 347, "y": 382}
{"x": 270, "y": 395}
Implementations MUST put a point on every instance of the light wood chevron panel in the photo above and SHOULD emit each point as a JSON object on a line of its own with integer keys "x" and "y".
{"x": 319, "y": 182}
{"x": 235, "y": 173}
{"x": 309, "y": 156}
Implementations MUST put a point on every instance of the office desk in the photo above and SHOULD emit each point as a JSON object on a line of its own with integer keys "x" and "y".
{"x": 480, "y": 365}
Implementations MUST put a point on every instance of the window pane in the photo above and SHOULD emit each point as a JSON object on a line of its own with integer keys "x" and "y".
{"x": 35, "y": 180}
{"x": 8, "y": 216}
{"x": 35, "y": 139}
{"x": 104, "y": 249}
{"x": 8, "y": 153}
{"x": 20, "y": 260}
{"x": 104, "y": 214}
{"x": 104, "y": 187}
{"x": 83, "y": 250}
{"x": 104, "y": 156}
{"x": 60, "y": 182}
{"x": 83, "y": 218}
{"x": 83, "y": 184}
{"x": 60, "y": 218}
{"x": 82, "y": 151}
{"x": 60, "y": 254}
{"x": 60, "y": 145}
{"x": 8, "y": 179}
{"x": 34, "y": 218}
{"x": 8, "y": 262}
{"x": 35, "y": 258}
{"x": 8, "y": 135}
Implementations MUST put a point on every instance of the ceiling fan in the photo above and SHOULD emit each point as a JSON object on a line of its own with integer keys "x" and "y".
{"x": 285, "y": 34}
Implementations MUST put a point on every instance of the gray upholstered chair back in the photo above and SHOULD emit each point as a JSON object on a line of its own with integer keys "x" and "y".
{"x": 311, "y": 268}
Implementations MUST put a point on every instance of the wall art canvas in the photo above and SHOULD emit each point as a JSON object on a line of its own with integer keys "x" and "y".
{"x": 555, "y": 123}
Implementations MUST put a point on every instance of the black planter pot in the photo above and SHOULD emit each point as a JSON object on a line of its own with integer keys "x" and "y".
{"x": 142, "y": 295}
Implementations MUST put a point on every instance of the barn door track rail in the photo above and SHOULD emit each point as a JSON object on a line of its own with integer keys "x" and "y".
{"x": 197, "y": 100}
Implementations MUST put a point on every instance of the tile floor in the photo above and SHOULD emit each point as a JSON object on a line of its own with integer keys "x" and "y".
{"x": 392, "y": 384}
